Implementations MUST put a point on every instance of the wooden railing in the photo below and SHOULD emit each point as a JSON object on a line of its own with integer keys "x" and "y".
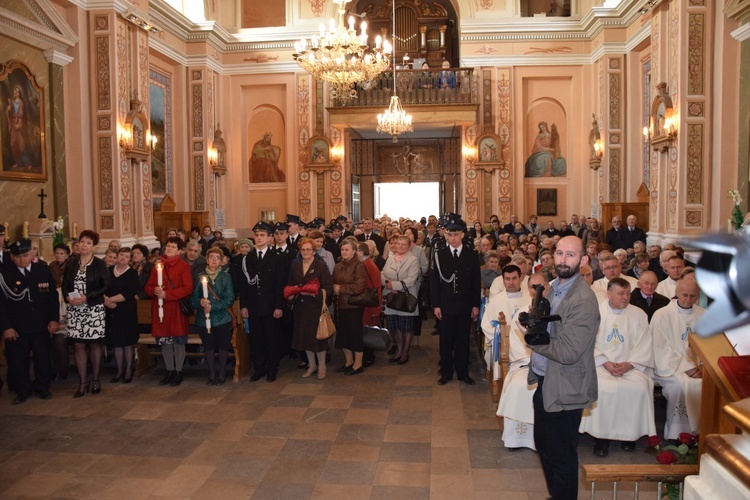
{"x": 450, "y": 86}
{"x": 636, "y": 473}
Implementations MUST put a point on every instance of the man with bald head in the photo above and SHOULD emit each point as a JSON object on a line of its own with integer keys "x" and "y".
{"x": 588, "y": 275}
{"x": 645, "y": 296}
{"x": 565, "y": 370}
{"x": 676, "y": 367}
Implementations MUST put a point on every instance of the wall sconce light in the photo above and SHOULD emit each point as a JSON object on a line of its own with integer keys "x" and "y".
{"x": 337, "y": 154}
{"x": 662, "y": 129}
{"x": 213, "y": 156}
{"x": 597, "y": 145}
{"x": 125, "y": 138}
{"x": 470, "y": 154}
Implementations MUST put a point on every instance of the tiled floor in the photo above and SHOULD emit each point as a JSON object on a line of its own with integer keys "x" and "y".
{"x": 389, "y": 433}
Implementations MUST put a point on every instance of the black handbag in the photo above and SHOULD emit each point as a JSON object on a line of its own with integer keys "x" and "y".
{"x": 376, "y": 338}
{"x": 401, "y": 300}
{"x": 186, "y": 307}
{"x": 368, "y": 298}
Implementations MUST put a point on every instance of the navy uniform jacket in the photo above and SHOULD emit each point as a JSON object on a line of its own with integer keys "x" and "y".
{"x": 464, "y": 292}
{"x": 262, "y": 287}
{"x": 33, "y": 313}
{"x": 333, "y": 247}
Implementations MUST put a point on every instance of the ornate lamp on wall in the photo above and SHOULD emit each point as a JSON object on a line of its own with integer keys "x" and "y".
{"x": 342, "y": 57}
{"x": 597, "y": 145}
{"x": 394, "y": 120}
{"x": 662, "y": 130}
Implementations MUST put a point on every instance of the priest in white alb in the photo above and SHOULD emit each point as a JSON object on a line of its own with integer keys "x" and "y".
{"x": 516, "y": 397}
{"x": 674, "y": 268}
{"x": 611, "y": 268}
{"x": 677, "y": 369}
{"x": 624, "y": 360}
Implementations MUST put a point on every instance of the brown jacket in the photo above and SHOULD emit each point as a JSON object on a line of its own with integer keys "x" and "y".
{"x": 352, "y": 276}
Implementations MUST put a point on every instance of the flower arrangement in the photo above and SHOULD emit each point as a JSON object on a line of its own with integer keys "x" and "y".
{"x": 58, "y": 226}
{"x": 684, "y": 451}
{"x": 737, "y": 216}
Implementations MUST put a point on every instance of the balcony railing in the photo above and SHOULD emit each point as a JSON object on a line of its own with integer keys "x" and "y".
{"x": 449, "y": 86}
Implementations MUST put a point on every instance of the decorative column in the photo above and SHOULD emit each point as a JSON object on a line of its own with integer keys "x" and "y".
{"x": 197, "y": 88}
{"x": 613, "y": 135}
{"x": 303, "y": 134}
{"x": 57, "y": 61}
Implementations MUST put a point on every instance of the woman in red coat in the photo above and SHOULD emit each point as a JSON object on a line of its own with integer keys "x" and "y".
{"x": 172, "y": 330}
{"x": 371, "y": 316}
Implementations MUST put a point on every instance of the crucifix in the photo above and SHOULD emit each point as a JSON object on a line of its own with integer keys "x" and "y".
{"x": 42, "y": 196}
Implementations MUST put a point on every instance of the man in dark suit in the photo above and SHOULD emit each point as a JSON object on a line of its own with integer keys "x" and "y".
{"x": 645, "y": 296}
{"x": 262, "y": 302}
{"x": 368, "y": 234}
{"x": 33, "y": 312}
{"x": 632, "y": 233}
{"x": 287, "y": 254}
{"x": 510, "y": 227}
{"x": 334, "y": 237}
{"x": 550, "y": 231}
{"x": 565, "y": 370}
{"x": 455, "y": 294}
{"x": 293, "y": 223}
{"x": 615, "y": 236}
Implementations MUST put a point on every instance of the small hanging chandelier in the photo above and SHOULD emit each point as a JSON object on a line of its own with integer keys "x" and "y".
{"x": 342, "y": 57}
{"x": 394, "y": 120}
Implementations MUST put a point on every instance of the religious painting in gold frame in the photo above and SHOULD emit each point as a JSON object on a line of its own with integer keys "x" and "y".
{"x": 22, "y": 133}
{"x": 488, "y": 152}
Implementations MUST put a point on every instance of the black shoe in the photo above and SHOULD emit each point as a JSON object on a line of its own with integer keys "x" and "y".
{"x": 219, "y": 381}
{"x": 344, "y": 368}
{"x": 404, "y": 361}
{"x": 168, "y": 378}
{"x": 601, "y": 447}
{"x": 628, "y": 445}
{"x": 392, "y": 350}
{"x": 115, "y": 379}
{"x": 257, "y": 376}
{"x": 44, "y": 394}
{"x": 368, "y": 362}
{"x": 96, "y": 387}
{"x": 467, "y": 380}
{"x": 435, "y": 332}
{"x": 443, "y": 380}
{"x": 271, "y": 377}
{"x": 127, "y": 380}
{"x": 177, "y": 380}
{"x": 393, "y": 360}
{"x": 352, "y": 371}
{"x": 20, "y": 400}
{"x": 83, "y": 388}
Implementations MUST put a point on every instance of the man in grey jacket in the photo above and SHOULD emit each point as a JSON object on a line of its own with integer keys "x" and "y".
{"x": 565, "y": 371}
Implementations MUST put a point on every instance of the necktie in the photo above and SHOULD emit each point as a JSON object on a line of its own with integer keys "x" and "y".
{"x": 649, "y": 298}
{"x": 367, "y": 237}
{"x": 260, "y": 255}
{"x": 26, "y": 272}
{"x": 455, "y": 254}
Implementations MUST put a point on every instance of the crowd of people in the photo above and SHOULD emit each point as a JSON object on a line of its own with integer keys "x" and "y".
{"x": 626, "y": 309}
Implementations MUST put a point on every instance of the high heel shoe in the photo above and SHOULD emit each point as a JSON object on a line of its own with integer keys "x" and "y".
{"x": 309, "y": 372}
{"x": 83, "y": 388}
{"x": 96, "y": 387}
{"x": 127, "y": 380}
{"x": 404, "y": 361}
{"x": 394, "y": 359}
{"x": 116, "y": 379}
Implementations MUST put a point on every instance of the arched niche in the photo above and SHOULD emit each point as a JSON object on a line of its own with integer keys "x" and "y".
{"x": 267, "y": 119}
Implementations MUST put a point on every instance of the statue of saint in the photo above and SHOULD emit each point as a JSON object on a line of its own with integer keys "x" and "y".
{"x": 264, "y": 161}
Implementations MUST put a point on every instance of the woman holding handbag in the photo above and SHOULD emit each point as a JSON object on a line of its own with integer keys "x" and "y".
{"x": 349, "y": 277}
{"x": 171, "y": 327}
{"x": 401, "y": 275}
{"x": 311, "y": 275}
{"x": 216, "y": 308}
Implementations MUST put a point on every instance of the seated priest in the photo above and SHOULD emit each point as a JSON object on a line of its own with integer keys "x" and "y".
{"x": 674, "y": 268}
{"x": 677, "y": 368}
{"x": 516, "y": 405}
{"x": 612, "y": 268}
{"x": 624, "y": 360}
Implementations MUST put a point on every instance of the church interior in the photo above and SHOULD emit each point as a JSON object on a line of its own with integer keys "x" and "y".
{"x": 141, "y": 115}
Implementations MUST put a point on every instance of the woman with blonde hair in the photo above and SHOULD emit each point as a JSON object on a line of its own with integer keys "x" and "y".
{"x": 401, "y": 274}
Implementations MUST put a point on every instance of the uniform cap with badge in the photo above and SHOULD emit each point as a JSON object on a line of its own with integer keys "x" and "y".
{"x": 262, "y": 225}
{"x": 20, "y": 247}
{"x": 290, "y": 218}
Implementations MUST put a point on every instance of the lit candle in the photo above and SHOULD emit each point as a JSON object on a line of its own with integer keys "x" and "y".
{"x": 351, "y": 23}
{"x": 75, "y": 230}
{"x": 25, "y": 233}
{"x": 378, "y": 42}
{"x": 331, "y": 24}
{"x": 159, "y": 281}
{"x": 204, "y": 283}
{"x": 363, "y": 28}
{"x": 645, "y": 132}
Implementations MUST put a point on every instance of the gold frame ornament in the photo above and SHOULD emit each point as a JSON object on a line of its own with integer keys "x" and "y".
{"x": 488, "y": 152}
{"x": 319, "y": 153}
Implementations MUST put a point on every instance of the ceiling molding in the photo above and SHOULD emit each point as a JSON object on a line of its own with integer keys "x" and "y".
{"x": 742, "y": 33}
{"x": 48, "y": 31}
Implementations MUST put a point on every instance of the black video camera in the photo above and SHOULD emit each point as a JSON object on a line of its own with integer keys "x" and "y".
{"x": 535, "y": 321}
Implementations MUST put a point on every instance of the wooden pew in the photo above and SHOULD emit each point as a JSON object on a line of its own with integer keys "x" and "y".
{"x": 145, "y": 352}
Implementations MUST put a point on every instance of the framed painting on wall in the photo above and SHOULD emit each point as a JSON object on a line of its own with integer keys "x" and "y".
{"x": 160, "y": 117}
{"x": 546, "y": 201}
{"x": 23, "y": 129}
{"x": 488, "y": 152}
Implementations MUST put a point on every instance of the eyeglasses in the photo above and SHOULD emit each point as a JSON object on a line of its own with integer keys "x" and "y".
{"x": 306, "y": 250}
{"x": 610, "y": 268}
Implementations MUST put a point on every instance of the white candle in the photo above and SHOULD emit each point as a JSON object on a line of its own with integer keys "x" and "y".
{"x": 159, "y": 281}
{"x": 204, "y": 282}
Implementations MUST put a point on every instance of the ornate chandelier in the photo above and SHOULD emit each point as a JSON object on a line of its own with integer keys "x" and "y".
{"x": 394, "y": 120}
{"x": 342, "y": 57}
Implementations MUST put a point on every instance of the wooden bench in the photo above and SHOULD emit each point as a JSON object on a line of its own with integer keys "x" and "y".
{"x": 145, "y": 353}
{"x": 637, "y": 473}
